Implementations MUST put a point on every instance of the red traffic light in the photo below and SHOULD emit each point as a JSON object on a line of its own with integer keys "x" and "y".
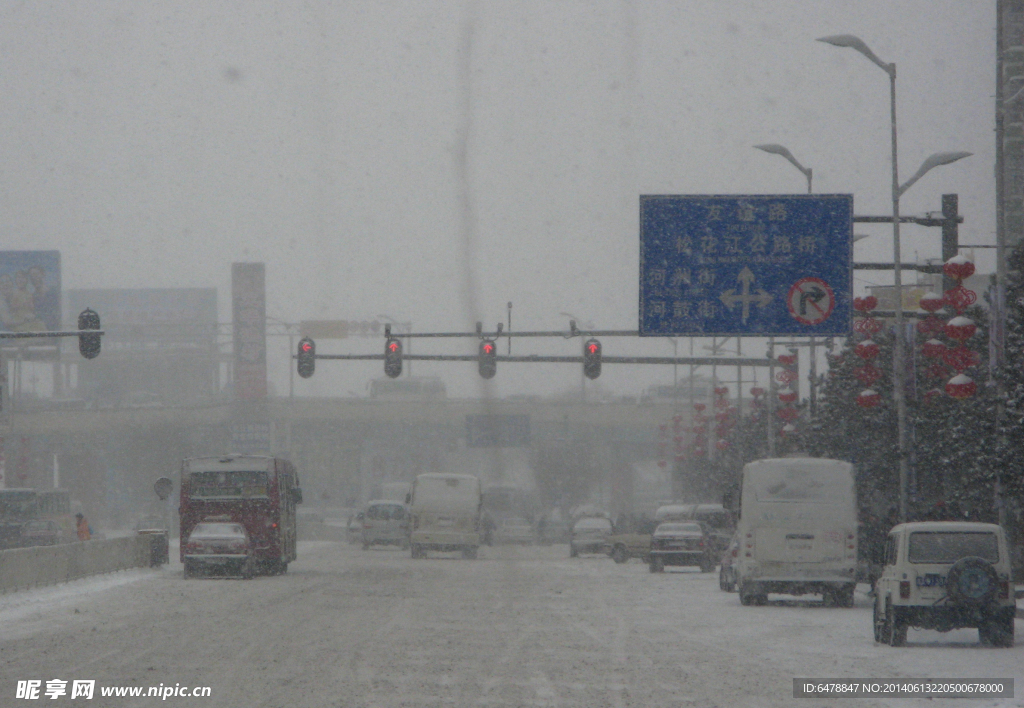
{"x": 488, "y": 348}
{"x": 592, "y": 358}
{"x": 394, "y": 347}
{"x": 306, "y": 346}
{"x": 593, "y": 347}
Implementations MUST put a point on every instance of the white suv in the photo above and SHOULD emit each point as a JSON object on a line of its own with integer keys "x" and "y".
{"x": 945, "y": 575}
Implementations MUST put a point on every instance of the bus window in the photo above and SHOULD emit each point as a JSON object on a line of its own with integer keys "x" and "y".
{"x": 228, "y": 484}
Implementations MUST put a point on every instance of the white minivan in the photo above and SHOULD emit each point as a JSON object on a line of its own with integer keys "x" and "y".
{"x": 797, "y": 530}
{"x": 445, "y": 514}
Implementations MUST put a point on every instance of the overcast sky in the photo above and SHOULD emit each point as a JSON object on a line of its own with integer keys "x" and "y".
{"x": 434, "y": 160}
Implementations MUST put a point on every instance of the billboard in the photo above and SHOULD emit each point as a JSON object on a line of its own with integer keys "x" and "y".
{"x": 30, "y": 291}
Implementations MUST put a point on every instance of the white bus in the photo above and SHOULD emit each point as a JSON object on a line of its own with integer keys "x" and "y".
{"x": 445, "y": 510}
{"x": 797, "y": 530}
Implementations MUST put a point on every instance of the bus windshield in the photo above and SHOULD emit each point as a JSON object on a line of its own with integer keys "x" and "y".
{"x": 228, "y": 484}
{"x": 800, "y": 485}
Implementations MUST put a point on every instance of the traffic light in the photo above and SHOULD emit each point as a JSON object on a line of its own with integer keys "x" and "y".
{"x": 393, "y": 357}
{"x": 592, "y": 358}
{"x": 306, "y": 357}
{"x": 89, "y": 344}
{"x": 488, "y": 358}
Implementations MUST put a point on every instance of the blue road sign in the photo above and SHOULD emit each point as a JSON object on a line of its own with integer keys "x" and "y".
{"x": 755, "y": 265}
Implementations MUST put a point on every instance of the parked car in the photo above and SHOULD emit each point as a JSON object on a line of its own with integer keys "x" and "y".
{"x": 385, "y": 523}
{"x": 222, "y": 545}
{"x": 631, "y": 540}
{"x": 589, "y": 535}
{"x": 945, "y": 575}
{"x": 41, "y": 533}
{"x": 726, "y": 570}
{"x": 681, "y": 543}
{"x": 514, "y": 529}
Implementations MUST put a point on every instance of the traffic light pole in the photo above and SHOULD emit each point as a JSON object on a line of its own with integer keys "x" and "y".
{"x": 544, "y": 358}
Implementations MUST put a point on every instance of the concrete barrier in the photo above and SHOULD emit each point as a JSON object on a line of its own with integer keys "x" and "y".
{"x": 22, "y": 568}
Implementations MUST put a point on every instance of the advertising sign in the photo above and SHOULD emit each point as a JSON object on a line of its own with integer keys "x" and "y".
{"x": 29, "y": 291}
{"x": 757, "y": 265}
{"x": 249, "y": 307}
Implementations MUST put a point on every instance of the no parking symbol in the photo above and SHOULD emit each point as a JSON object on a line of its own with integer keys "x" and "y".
{"x": 811, "y": 301}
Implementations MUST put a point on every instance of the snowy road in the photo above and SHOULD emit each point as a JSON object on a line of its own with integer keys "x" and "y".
{"x": 518, "y": 627}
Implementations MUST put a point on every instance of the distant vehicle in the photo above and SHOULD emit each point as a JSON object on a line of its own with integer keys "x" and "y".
{"x": 256, "y": 491}
{"x": 18, "y": 506}
{"x": 385, "y": 523}
{"x": 681, "y": 543}
{"x": 589, "y": 535}
{"x": 797, "y": 530}
{"x": 727, "y": 567}
{"x": 218, "y": 544}
{"x": 945, "y": 575}
{"x": 445, "y": 511}
{"x": 634, "y": 541}
{"x": 408, "y": 388}
{"x": 514, "y": 529}
{"x": 41, "y": 533}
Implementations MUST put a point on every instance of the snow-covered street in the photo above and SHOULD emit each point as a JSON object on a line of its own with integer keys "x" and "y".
{"x": 521, "y": 626}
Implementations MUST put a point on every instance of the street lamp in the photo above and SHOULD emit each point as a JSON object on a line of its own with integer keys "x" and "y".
{"x": 899, "y": 355}
{"x": 776, "y": 149}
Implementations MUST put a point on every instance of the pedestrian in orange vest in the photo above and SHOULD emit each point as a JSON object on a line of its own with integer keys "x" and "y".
{"x": 83, "y": 527}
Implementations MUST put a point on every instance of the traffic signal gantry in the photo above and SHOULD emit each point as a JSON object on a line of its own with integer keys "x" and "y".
{"x": 487, "y": 357}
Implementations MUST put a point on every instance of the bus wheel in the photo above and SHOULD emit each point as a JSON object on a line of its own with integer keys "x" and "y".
{"x": 190, "y": 570}
{"x": 417, "y": 552}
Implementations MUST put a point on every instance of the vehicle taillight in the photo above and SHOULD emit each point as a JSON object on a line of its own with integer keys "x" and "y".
{"x": 700, "y": 543}
{"x": 749, "y": 553}
{"x": 905, "y": 589}
{"x": 850, "y": 542}
{"x": 1004, "y": 589}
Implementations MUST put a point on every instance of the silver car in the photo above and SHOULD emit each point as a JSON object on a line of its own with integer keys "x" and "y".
{"x": 385, "y": 523}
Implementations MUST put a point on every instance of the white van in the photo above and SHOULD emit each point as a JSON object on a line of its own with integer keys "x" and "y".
{"x": 797, "y": 530}
{"x": 445, "y": 511}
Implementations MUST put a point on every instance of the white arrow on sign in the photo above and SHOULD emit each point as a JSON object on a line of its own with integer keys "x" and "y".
{"x": 746, "y": 298}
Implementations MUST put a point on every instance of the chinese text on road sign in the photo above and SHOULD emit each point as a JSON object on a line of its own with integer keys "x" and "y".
{"x": 746, "y": 265}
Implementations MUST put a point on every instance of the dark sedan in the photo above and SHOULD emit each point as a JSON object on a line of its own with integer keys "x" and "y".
{"x": 681, "y": 543}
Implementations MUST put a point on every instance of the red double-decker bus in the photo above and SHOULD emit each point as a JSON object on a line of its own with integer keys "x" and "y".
{"x": 259, "y": 492}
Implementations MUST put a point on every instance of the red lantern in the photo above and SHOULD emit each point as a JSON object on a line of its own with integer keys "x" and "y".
{"x": 700, "y": 429}
{"x": 788, "y": 414}
{"x": 930, "y": 396}
{"x": 867, "y": 374}
{"x": 757, "y": 392}
{"x": 786, "y": 376}
{"x": 868, "y": 326}
{"x": 866, "y": 349}
{"x": 677, "y": 419}
{"x": 958, "y": 268}
{"x": 961, "y": 387}
{"x": 787, "y": 395}
{"x": 722, "y": 445}
{"x": 722, "y": 391}
{"x": 960, "y": 359}
{"x": 699, "y": 407}
{"x": 865, "y": 304}
{"x": 960, "y": 298}
{"x": 680, "y": 458}
{"x": 787, "y": 359}
{"x": 960, "y": 329}
{"x": 869, "y": 398}
{"x": 933, "y": 348}
{"x": 932, "y": 302}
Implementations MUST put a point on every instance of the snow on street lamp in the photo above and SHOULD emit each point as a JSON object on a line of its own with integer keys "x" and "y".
{"x": 899, "y": 371}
